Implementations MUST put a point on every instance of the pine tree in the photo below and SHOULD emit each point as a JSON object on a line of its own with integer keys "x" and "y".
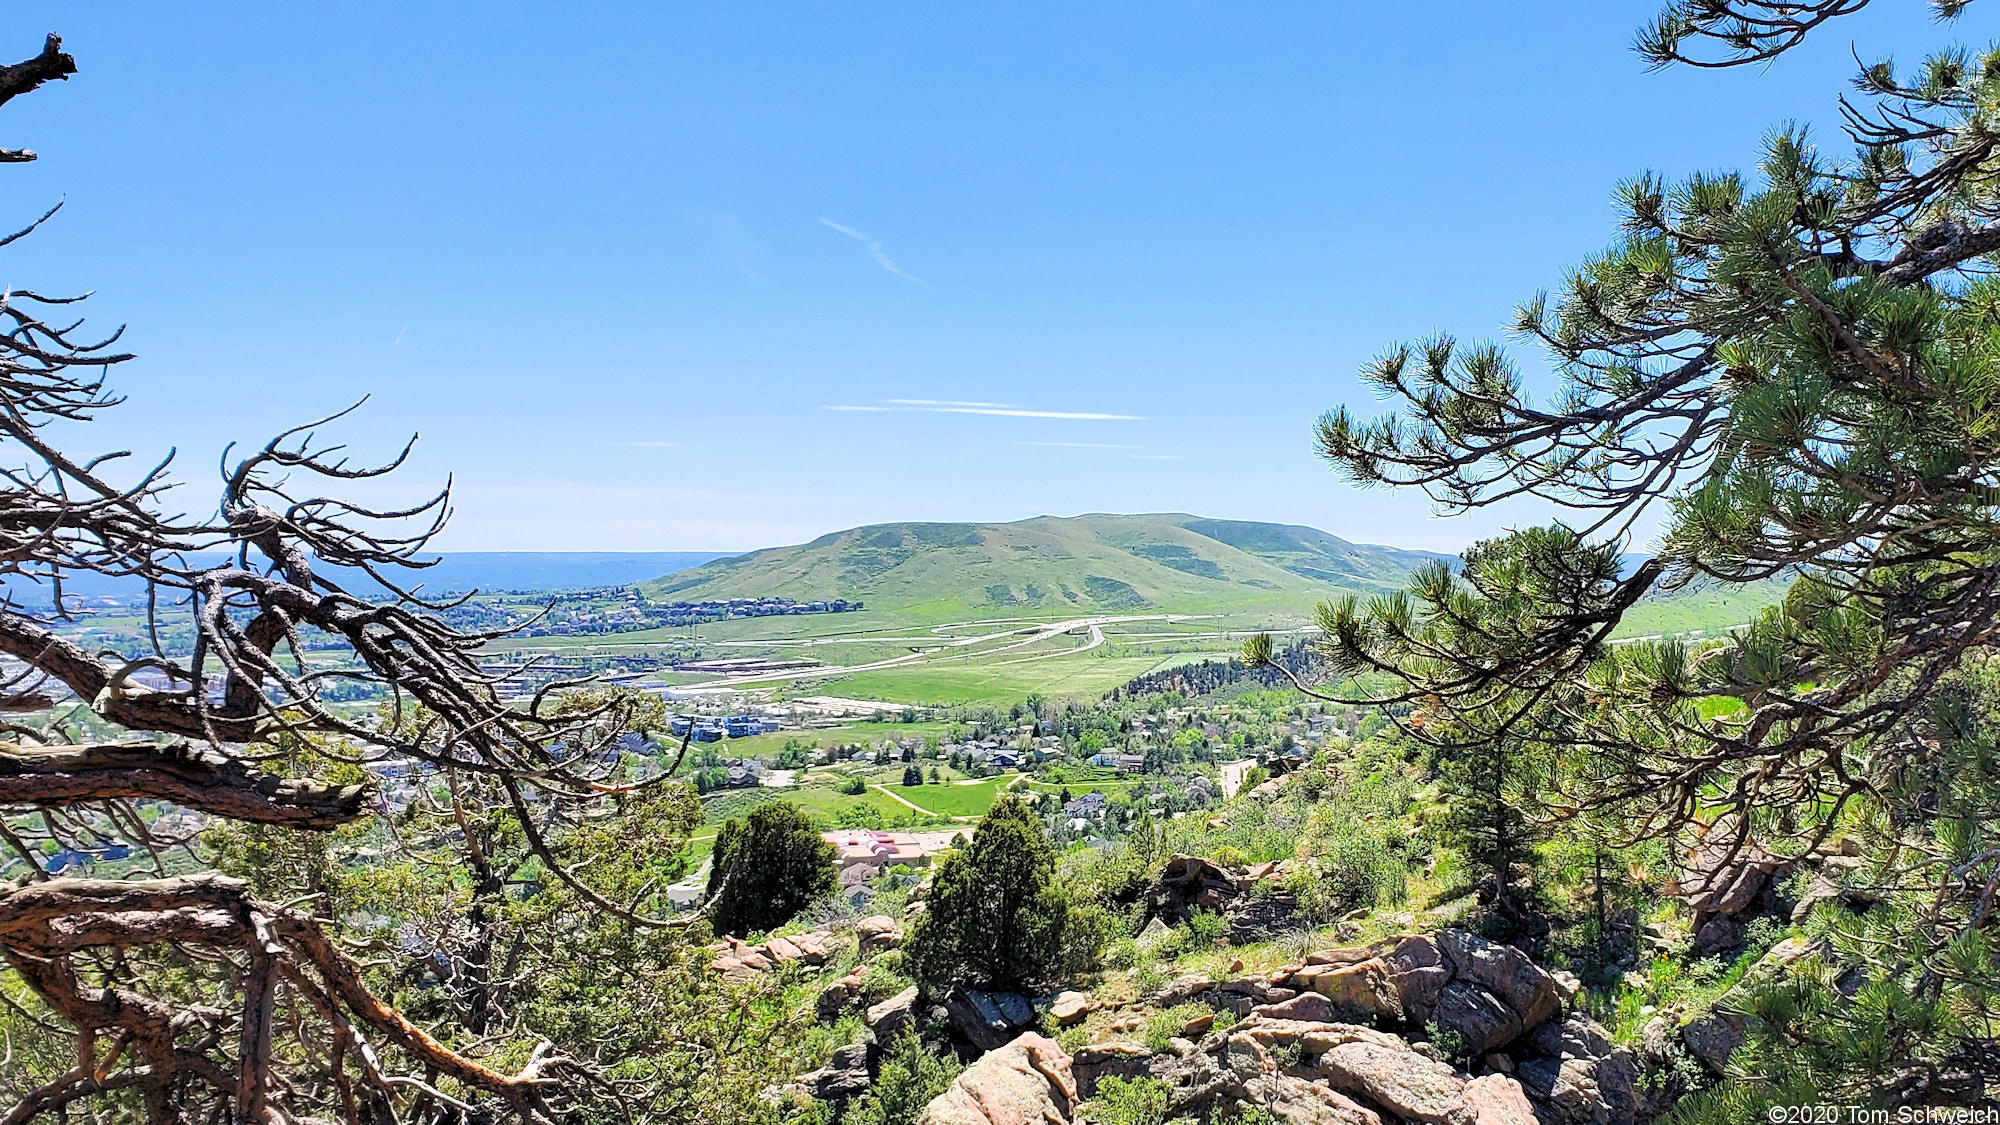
{"x": 1802, "y": 368}
{"x": 1488, "y": 787}
{"x": 913, "y": 775}
{"x": 994, "y": 917}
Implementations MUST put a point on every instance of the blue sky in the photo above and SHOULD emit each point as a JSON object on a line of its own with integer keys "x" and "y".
{"x": 662, "y": 277}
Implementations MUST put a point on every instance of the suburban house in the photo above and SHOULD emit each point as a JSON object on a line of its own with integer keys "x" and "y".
{"x": 1090, "y": 804}
{"x": 856, "y": 848}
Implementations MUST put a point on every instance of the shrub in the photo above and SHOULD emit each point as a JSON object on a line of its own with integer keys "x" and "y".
{"x": 909, "y": 1078}
{"x": 1163, "y": 1026}
{"x": 1130, "y": 1101}
{"x": 1205, "y": 926}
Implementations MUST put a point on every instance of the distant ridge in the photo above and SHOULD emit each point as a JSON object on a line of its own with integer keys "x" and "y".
{"x": 1113, "y": 563}
{"x": 554, "y": 570}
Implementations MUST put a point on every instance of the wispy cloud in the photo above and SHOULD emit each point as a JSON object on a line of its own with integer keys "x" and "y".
{"x": 995, "y": 409}
{"x": 875, "y": 251}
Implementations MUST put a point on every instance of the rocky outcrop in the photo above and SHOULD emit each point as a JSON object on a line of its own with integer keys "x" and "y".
{"x": 836, "y": 997}
{"x": 739, "y": 961}
{"x": 1481, "y": 993}
{"x": 1336, "y": 1073}
{"x": 1024, "y": 1082}
{"x": 1724, "y": 882}
{"x": 1252, "y": 900}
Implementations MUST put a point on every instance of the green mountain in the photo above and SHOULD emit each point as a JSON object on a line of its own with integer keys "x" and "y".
{"x": 1109, "y": 563}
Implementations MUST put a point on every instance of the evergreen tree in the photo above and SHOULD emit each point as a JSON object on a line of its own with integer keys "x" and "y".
{"x": 994, "y": 917}
{"x": 913, "y": 775}
{"x": 1488, "y": 786}
{"x": 766, "y": 868}
{"x": 1802, "y": 368}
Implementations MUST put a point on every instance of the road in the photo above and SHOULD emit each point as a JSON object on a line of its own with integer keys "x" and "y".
{"x": 953, "y": 648}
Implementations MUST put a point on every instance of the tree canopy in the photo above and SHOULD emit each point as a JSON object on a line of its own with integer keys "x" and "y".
{"x": 994, "y": 916}
{"x": 1795, "y": 370}
{"x": 767, "y": 867}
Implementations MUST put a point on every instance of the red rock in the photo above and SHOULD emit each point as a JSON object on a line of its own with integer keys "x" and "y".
{"x": 1026, "y": 1082}
{"x": 1495, "y": 1099}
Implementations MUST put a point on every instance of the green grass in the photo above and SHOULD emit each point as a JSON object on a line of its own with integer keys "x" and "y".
{"x": 1710, "y": 609}
{"x": 821, "y": 799}
{"x": 957, "y": 800}
{"x": 1087, "y": 675}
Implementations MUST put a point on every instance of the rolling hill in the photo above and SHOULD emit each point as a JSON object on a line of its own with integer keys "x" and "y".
{"x": 1090, "y": 563}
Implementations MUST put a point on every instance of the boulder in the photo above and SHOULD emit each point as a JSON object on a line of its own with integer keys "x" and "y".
{"x": 811, "y": 947}
{"x": 987, "y": 1019}
{"x": 1506, "y": 972}
{"x": 843, "y": 1077}
{"x": 1182, "y": 989}
{"x": 1305, "y": 1006}
{"x": 1070, "y": 1008}
{"x": 893, "y": 1015}
{"x": 1339, "y": 956}
{"x": 835, "y": 997}
{"x": 1719, "y": 933}
{"x": 781, "y": 951}
{"x": 1475, "y": 1016}
{"x": 1363, "y": 989}
{"x": 1581, "y": 1078}
{"x": 1111, "y": 1051}
{"x": 1420, "y": 972}
{"x": 1297, "y": 1101}
{"x": 1382, "y": 1069}
{"x": 1495, "y": 1099}
{"x": 1024, "y": 1082}
{"x": 878, "y": 932}
{"x": 1723, "y": 879}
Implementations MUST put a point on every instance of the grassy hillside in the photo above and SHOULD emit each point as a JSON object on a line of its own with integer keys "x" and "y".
{"x": 1050, "y": 565}
{"x": 960, "y": 613}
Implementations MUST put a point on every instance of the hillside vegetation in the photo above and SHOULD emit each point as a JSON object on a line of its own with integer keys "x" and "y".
{"x": 1091, "y": 563}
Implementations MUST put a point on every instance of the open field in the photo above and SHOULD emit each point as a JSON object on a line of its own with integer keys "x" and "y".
{"x": 1086, "y": 675}
{"x": 821, "y": 799}
{"x": 957, "y": 799}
